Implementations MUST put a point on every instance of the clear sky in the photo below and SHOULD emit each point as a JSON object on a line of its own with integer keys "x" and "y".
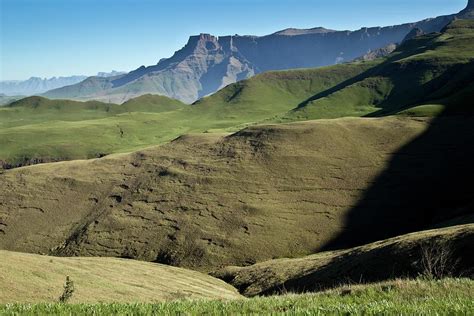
{"x": 47, "y": 38}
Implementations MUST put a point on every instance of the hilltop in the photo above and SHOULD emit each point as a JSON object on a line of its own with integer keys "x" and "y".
{"x": 36, "y": 129}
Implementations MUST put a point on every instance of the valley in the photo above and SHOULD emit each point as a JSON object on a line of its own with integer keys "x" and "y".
{"x": 219, "y": 181}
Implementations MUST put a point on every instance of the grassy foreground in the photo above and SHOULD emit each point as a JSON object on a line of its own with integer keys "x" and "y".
{"x": 419, "y": 297}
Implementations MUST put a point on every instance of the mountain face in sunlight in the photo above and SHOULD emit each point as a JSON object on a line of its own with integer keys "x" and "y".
{"x": 208, "y": 63}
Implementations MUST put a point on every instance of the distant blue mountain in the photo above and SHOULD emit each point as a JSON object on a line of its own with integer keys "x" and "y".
{"x": 36, "y": 85}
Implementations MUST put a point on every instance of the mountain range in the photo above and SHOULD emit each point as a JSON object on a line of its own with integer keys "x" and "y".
{"x": 37, "y": 85}
{"x": 208, "y": 63}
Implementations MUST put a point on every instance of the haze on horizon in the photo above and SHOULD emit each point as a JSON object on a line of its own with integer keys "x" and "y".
{"x": 49, "y": 38}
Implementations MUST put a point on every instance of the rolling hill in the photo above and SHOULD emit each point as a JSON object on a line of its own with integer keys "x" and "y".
{"x": 348, "y": 186}
{"x": 208, "y": 63}
{"x": 54, "y": 125}
{"x": 35, "y": 129}
{"x": 206, "y": 201}
{"x": 28, "y": 278}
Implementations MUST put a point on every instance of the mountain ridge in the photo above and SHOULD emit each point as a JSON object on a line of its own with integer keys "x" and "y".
{"x": 208, "y": 63}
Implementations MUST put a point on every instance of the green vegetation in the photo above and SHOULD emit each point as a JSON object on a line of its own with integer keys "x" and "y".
{"x": 401, "y": 297}
{"x": 38, "y": 129}
{"x": 28, "y": 278}
{"x": 433, "y": 70}
{"x": 430, "y": 69}
{"x": 68, "y": 290}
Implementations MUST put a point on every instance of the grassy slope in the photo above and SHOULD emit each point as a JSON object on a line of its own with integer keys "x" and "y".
{"x": 435, "y": 70}
{"x": 27, "y": 278}
{"x": 207, "y": 201}
{"x": 38, "y": 128}
{"x": 420, "y": 297}
{"x": 274, "y": 93}
{"x": 382, "y": 260}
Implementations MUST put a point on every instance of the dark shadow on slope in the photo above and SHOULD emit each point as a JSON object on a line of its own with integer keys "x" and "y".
{"x": 407, "y": 92}
{"x": 428, "y": 181}
{"x": 385, "y": 69}
{"x": 384, "y": 263}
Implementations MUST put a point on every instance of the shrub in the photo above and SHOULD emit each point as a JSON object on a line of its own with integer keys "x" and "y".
{"x": 437, "y": 260}
{"x": 68, "y": 290}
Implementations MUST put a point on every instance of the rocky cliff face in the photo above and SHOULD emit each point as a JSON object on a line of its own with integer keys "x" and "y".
{"x": 208, "y": 63}
{"x": 205, "y": 65}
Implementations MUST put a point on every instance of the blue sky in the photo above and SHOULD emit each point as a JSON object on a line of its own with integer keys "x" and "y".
{"x": 82, "y": 37}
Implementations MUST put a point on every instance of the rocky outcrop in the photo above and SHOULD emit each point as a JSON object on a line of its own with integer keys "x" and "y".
{"x": 414, "y": 33}
{"x": 468, "y": 12}
{"x": 378, "y": 53}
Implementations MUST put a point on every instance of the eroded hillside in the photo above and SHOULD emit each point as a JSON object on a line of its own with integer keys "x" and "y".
{"x": 207, "y": 201}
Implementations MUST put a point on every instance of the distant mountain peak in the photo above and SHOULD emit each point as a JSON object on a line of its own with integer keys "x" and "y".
{"x": 468, "y": 12}
{"x": 296, "y": 32}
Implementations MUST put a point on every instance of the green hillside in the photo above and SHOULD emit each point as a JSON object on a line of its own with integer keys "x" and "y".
{"x": 40, "y": 130}
{"x": 434, "y": 70}
{"x": 36, "y": 129}
{"x": 27, "y": 278}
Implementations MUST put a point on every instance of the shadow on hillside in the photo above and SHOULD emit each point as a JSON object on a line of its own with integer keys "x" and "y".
{"x": 428, "y": 181}
{"x": 408, "y": 92}
{"x": 383, "y": 263}
{"x": 388, "y": 66}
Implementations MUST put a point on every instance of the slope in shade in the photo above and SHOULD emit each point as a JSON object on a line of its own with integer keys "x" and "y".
{"x": 435, "y": 69}
{"x": 400, "y": 257}
{"x": 424, "y": 181}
